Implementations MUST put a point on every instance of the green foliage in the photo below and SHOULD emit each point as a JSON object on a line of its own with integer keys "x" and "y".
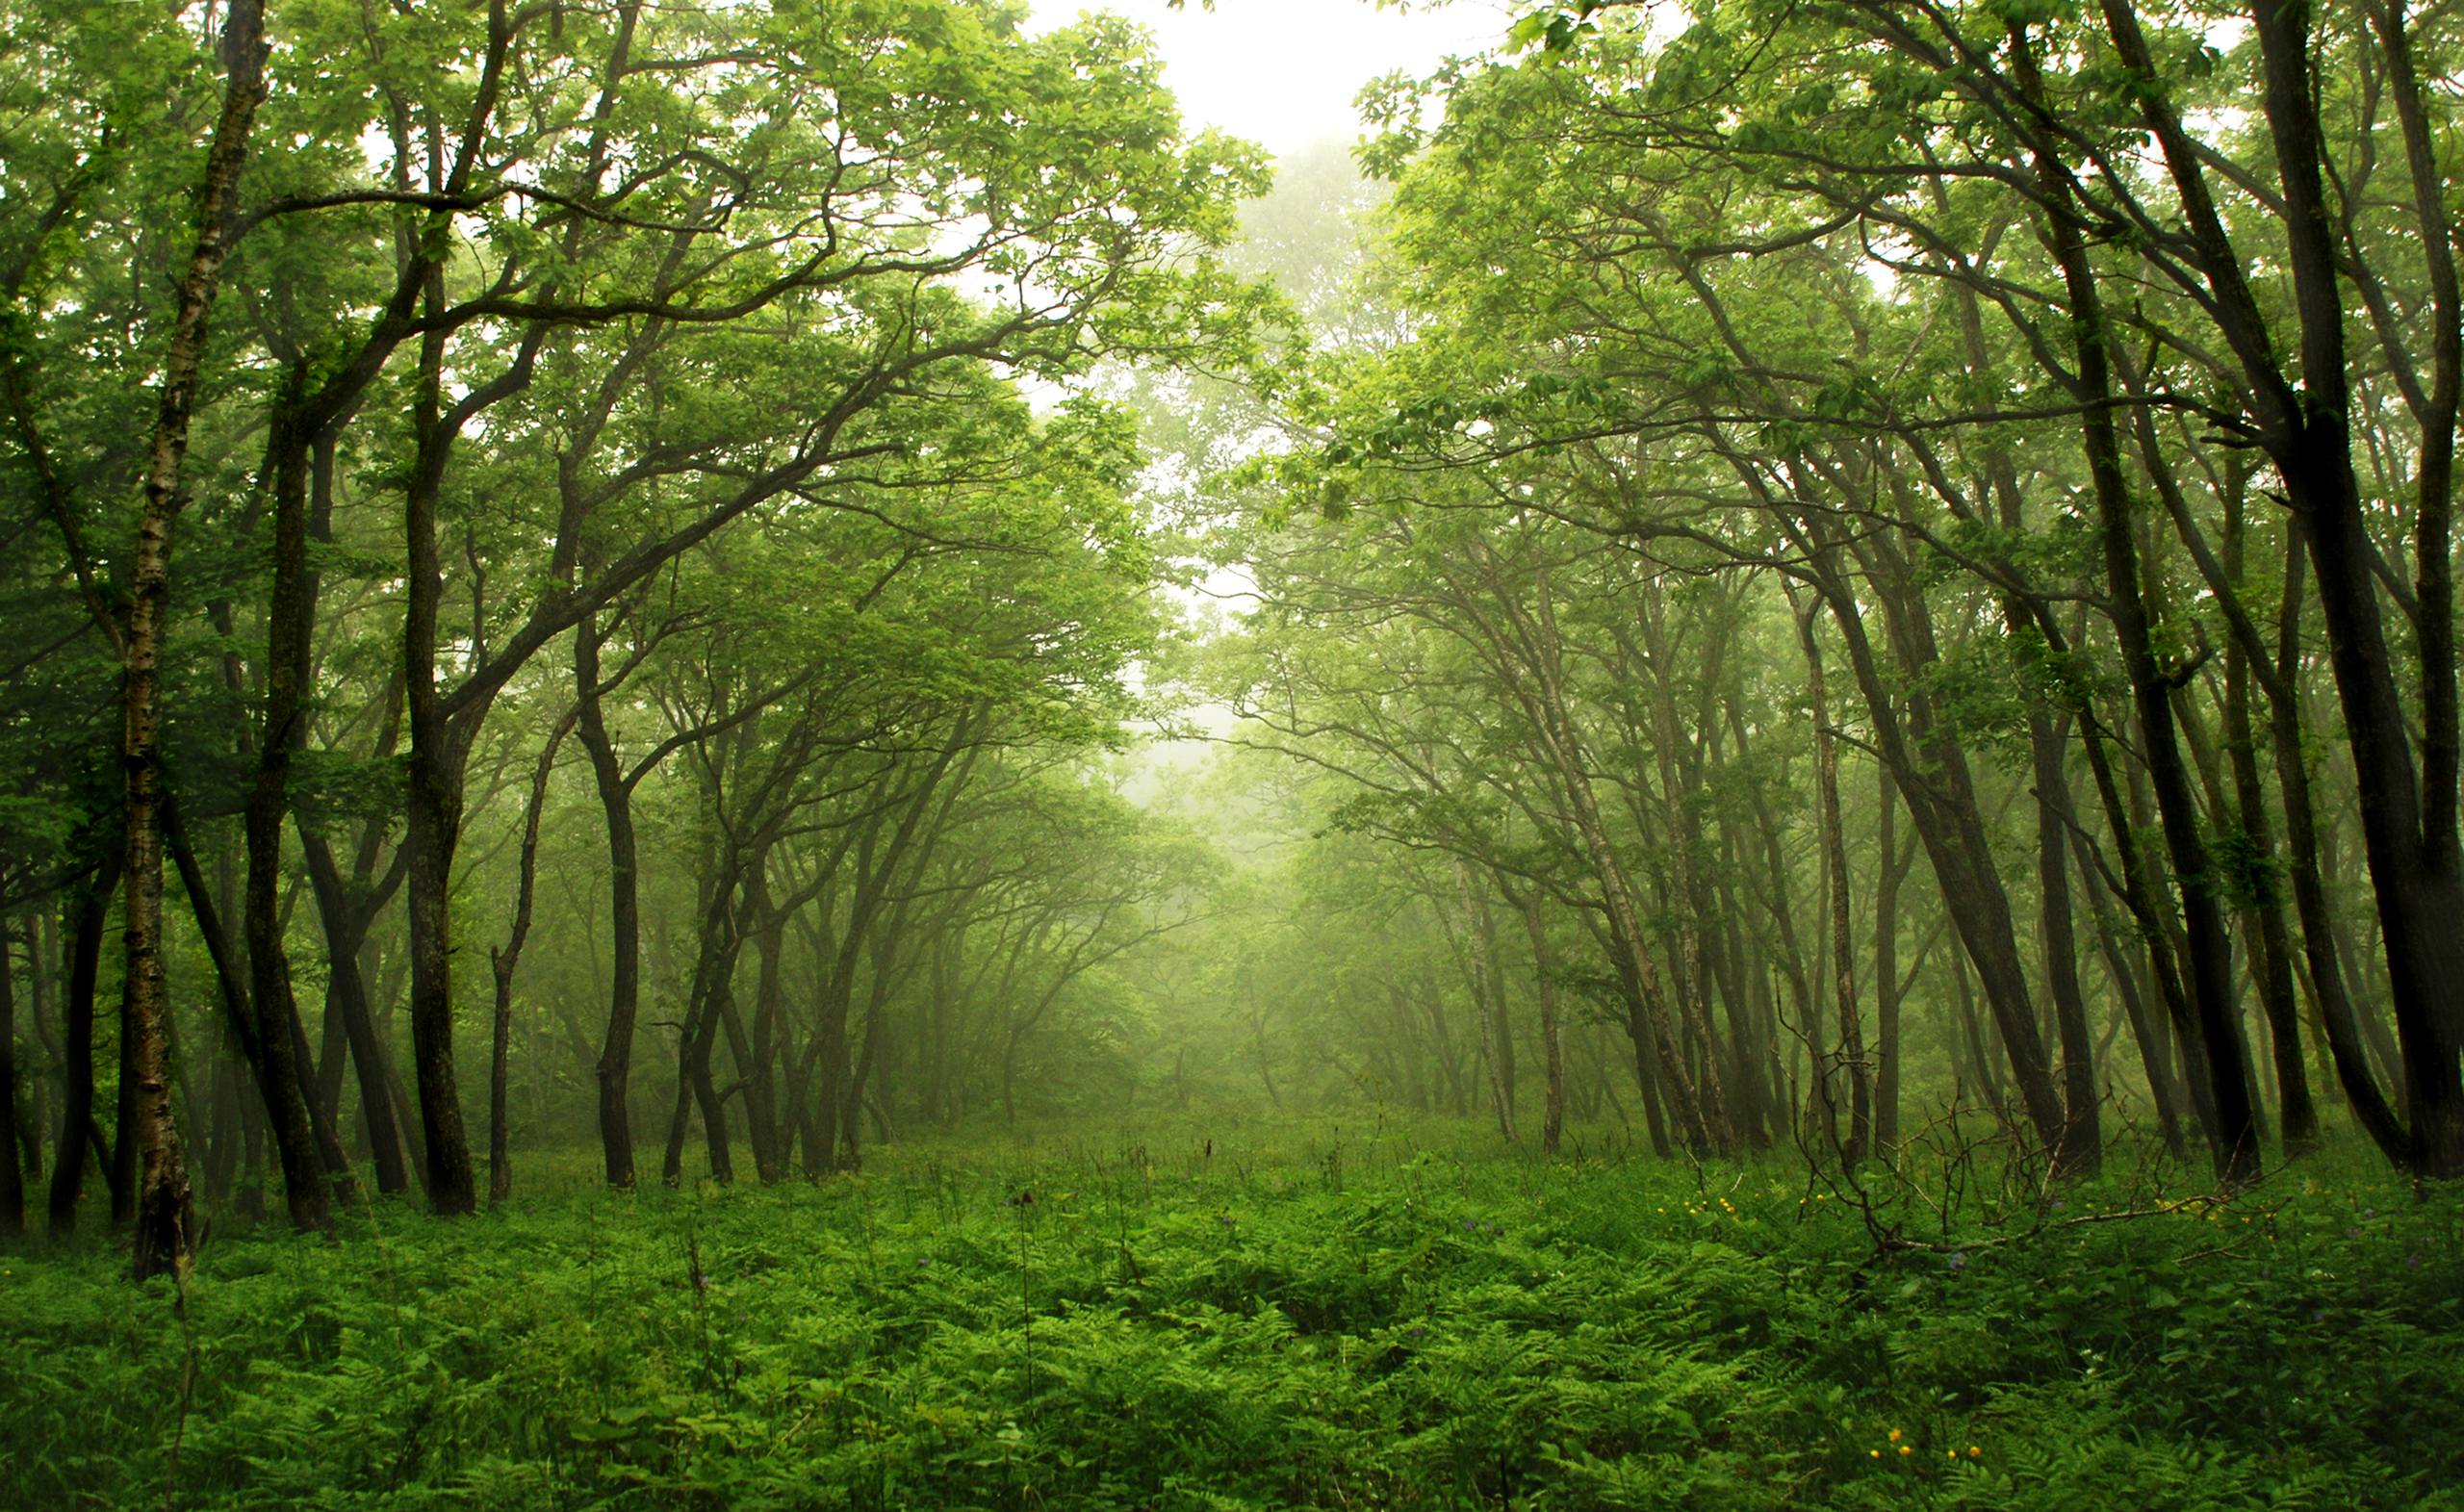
{"x": 1329, "y": 1316}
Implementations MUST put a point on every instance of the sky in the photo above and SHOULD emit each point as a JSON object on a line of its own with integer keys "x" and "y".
{"x": 1283, "y": 72}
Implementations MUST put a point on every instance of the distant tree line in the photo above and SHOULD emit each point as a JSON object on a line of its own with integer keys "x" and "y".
{"x": 1883, "y": 546}
{"x": 549, "y": 485}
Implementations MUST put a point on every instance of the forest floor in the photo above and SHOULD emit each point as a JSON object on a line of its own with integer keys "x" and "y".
{"x": 1324, "y": 1315}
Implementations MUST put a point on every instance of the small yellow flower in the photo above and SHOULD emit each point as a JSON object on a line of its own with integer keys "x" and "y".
{"x": 1894, "y": 1435}
{"x": 1873, "y": 1453}
{"x": 1973, "y": 1452}
{"x": 1908, "y": 1448}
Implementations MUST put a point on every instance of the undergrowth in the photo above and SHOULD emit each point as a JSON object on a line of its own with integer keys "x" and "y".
{"x": 1325, "y": 1317}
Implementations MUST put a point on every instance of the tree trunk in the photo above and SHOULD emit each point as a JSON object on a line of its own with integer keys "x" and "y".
{"x": 1711, "y": 1089}
{"x": 435, "y": 824}
{"x": 2082, "y": 1149}
{"x": 1932, "y": 776}
{"x": 434, "y": 772}
{"x": 1734, "y": 966}
{"x": 278, "y": 1069}
{"x": 1698, "y": 1107}
{"x": 1981, "y": 1060}
{"x": 241, "y": 1014}
{"x": 77, "y": 1046}
{"x": 1887, "y": 966}
{"x": 1843, "y": 946}
{"x": 224, "y": 1128}
{"x": 501, "y": 962}
{"x": 2234, "y": 1135}
{"x": 1483, "y": 978}
{"x": 714, "y": 970}
{"x": 761, "y": 1099}
{"x": 624, "y": 883}
{"x": 695, "y": 1090}
{"x": 34, "y": 1108}
{"x": 121, "y": 1170}
{"x": 1552, "y": 1046}
{"x": 2410, "y": 835}
{"x": 12, "y": 1174}
{"x": 884, "y": 954}
{"x": 833, "y": 1069}
{"x": 2337, "y": 1012}
{"x": 346, "y": 930}
{"x": 2146, "y": 1030}
{"x": 166, "y": 1235}
{"x": 2272, "y": 966}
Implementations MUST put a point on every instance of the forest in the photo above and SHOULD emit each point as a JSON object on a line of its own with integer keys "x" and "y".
{"x": 797, "y": 753}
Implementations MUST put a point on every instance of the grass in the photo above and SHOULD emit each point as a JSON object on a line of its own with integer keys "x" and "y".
{"x": 1338, "y": 1314}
